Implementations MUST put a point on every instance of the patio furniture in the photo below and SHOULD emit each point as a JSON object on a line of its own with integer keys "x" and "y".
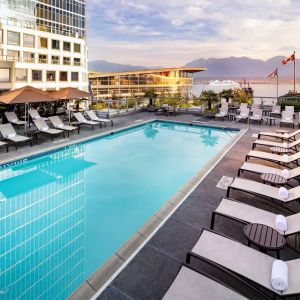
{"x": 282, "y": 131}
{"x": 222, "y": 113}
{"x": 4, "y": 144}
{"x": 290, "y": 109}
{"x": 276, "y": 111}
{"x": 246, "y": 263}
{"x": 287, "y": 118}
{"x": 232, "y": 116}
{"x": 13, "y": 119}
{"x": 91, "y": 114}
{"x": 195, "y": 285}
{"x": 42, "y": 126}
{"x": 293, "y": 145}
{"x": 34, "y": 114}
{"x": 257, "y": 115}
{"x": 279, "y": 150}
{"x": 285, "y": 136}
{"x": 9, "y": 134}
{"x": 83, "y": 121}
{"x": 244, "y": 114}
{"x": 273, "y": 179}
{"x": 264, "y": 237}
{"x": 245, "y": 214}
{"x": 271, "y": 121}
{"x": 58, "y": 124}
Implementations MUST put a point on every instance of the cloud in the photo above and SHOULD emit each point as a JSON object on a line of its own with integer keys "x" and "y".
{"x": 174, "y": 32}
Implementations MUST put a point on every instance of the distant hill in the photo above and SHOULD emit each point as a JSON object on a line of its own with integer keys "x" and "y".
{"x": 105, "y": 66}
{"x": 240, "y": 67}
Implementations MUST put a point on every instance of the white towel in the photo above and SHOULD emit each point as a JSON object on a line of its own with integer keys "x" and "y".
{"x": 285, "y": 174}
{"x": 60, "y": 125}
{"x": 14, "y": 120}
{"x": 286, "y": 135}
{"x": 37, "y": 117}
{"x": 285, "y": 145}
{"x": 256, "y": 116}
{"x": 281, "y": 223}
{"x": 285, "y": 158}
{"x": 287, "y": 119}
{"x": 283, "y": 193}
{"x": 11, "y": 135}
{"x": 45, "y": 128}
{"x": 244, "y": 115}
{"x": 279, "y": 276}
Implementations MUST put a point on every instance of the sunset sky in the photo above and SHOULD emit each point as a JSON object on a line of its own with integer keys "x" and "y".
{"x": 172, "y": 33}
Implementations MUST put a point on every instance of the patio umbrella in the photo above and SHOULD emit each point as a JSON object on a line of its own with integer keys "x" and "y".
{"x": 26, "y": 95}
{"x": 70, "y": 94}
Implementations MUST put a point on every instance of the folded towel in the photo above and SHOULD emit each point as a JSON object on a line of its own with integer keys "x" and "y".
{"x": 11, "y": 135}
{"x": 37, "y": 117}
{"x": 60, "y": 125}
{"x": 285, "y": 174}
{"x": 286, "y": 135}
{"x": 45, "y": 128}
{"x": 279, "y": 276}
{"x": 287, "y": 119}
{"x": 285, "y": 158}
{"x": 281, "y": 223}
{"x": 285, "y": 145}
{"x": 256, "y": 116}
{"x": 283, "y": 193}
{"x": 14, "y": 120}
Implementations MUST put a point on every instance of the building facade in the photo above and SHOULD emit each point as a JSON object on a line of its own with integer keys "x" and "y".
{"x": 125, "y": 84}
{"x": 43, "y": 44}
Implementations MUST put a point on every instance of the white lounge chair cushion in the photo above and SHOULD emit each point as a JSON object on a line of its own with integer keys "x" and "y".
{"x": 45, "y": 128}
{"x": 285, "y": 158}
{"x": 283, "y": 193}
{"x": 281, "y": 223}
{"x": 279, "y": 275}
{"x": 285, "y": 174}
{"x": 60, "y": 125}
{"x": 285, "y": 145}
{"x": 14, "y": 120}
{"x": 11, "y": 135}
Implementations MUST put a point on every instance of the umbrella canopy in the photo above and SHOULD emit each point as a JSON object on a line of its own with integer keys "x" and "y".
{"x": 70, "y": 93}
{"x": 27, "y": 94}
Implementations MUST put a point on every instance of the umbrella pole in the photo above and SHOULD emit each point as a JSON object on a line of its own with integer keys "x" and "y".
{"x": 25, "y": 118}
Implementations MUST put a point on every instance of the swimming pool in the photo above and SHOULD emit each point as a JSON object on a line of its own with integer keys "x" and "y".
{"x": 65, "y": 213}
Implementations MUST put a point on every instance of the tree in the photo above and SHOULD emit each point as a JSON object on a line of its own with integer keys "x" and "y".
{"x": 227, "y": 94}
{"x": 151, "y": 95}
{"x": 209, "y": 97}
{"x": 241, "y": 96}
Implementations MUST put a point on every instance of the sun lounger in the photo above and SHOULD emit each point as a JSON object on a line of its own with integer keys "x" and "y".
{"x": 280, "y": 159}
{"x": 223, "y": 113}
{"x": 262, "y": 169}
{"x": 91, "y": 114}
{"x": 257, "y": 115}
{"x": 194, "y": 285}
{"x": 263, "y": 190}
{"x": 4, "y": 144}
{"x": 35, "y": 115}
{"x": 42, "y": 126}
{"x": 287, "y": 118}
{"x": 293, "y": 145}
{"x": 8, "y": 132}
{"x": 244, "y": 114}
{"x": 83, "y": 121}
{"x": 276, "y": 111}
{"x": 286, "y": 136}
{"x": 247, "y": 263}
{"x": 58, "y": 124}
{"x": 245, "y": 213}
{"x": 13, "y": 119}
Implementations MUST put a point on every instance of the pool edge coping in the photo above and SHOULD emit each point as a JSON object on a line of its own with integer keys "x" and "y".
{"x": 174, "y": 203}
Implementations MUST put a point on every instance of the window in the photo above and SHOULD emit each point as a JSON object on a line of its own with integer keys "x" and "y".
{"x": 77, "y": 61}
{"x": 28, "y": 57}
{"x": 4, "y": 75}
{"x": 55, "y": 60}
{"x": 13, "y": 38}
{"x": 63, "y": 76}
{"x": 55, "y": 44}
{"x": 67, "y": 46}
{"x": 42, "y": 58}
{"x": 51, "y": 76}
{"x": 74, "y": 76}
{"x": 28, "y": 40}
{"x": 21, "y": 75}
{"x": 36, "y": 75}
{"x": 1, "y": 36}
{"x": 66, "y": 60}
{"x": 77, "y": 48}
{"x": 43, "y": 42}
{"x": 12, "y": 55}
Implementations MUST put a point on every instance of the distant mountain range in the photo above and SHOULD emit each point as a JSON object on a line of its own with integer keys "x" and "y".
{"x": 221, "y": 68}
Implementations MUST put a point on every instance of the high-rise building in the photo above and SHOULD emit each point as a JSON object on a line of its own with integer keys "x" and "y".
{"x": 43, "y": 44}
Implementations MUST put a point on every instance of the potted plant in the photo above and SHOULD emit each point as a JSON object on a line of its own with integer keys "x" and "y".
{"x": 151, "y": 95}
{"x": 209, "y": 97}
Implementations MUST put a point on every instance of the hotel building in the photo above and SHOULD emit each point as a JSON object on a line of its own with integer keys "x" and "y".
{"x": 125, "y": 84}
{"x": 43, "y": 44}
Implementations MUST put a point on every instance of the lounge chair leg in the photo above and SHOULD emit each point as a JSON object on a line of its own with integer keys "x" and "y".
{"x": 112, "y": 123}
{"x": 239, "y": 172}
{"x": 228, "y": 192}
{"x": 212, "y": 221}
{"x": 16, "y": 146}
{"x": 188, "y": 258}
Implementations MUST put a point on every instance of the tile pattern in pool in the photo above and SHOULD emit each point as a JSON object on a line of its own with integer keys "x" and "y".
{"x": 63, "y": 214}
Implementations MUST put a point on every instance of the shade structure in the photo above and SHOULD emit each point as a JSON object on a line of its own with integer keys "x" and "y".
{"x": 70, "y": 94}
{"x": 26, "y": 95}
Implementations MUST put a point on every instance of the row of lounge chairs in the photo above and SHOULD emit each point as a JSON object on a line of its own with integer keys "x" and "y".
{"x": 268, "y": 277}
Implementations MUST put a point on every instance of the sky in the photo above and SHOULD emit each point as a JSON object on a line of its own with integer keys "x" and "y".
{"x": 173, "y": 32}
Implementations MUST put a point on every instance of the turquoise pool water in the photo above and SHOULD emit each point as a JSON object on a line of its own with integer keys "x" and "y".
{"x": 63, "y": 214}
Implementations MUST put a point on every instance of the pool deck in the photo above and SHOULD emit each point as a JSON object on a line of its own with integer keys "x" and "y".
{"x": 150, "y": 273}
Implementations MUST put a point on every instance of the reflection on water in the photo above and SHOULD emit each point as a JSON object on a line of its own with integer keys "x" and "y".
{"x": 42, "y": 226}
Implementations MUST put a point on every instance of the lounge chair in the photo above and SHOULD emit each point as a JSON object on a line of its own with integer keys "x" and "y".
{"x": 262, "y": 190}
{"x": 42, "y": 126}
{"x": 287, "y": 118}
{"x": 4, "y": 144}
{"x": 34, "y": 114}
{"x": 8, "y": 132}
{"x": 245, "y": 213}
{"x": 58, "y": 124}
{"x": 247, "y": 263}
{"x": 223, "y": 113}
{"x": 244, "y": 114}
{"x": 290, "y": 109}
{"x": 192, "y": 284}
{"x": 13, "y": 119}
{"x": 280, "y": 159}
{"x": 262, "y": 169}
{"x": 285, "y": 136}
{"x": 83, "y": 121}
{"x": 293, "y": 145}
{"x": 257, "y": 115}
{"x": 91, "y": 114}
{"x": 276, "y": 111}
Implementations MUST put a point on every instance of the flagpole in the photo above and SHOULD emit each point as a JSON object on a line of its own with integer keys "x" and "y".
{"x": 294, "y": 72}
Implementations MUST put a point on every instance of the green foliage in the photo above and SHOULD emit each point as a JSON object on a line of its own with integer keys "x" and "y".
{"x": 151, "y": 95}
{"x": 209, "y": 97}
{"x": 227, "y": 94}
{"x": 290, "y": 102}
{"x": 240, "y": 96}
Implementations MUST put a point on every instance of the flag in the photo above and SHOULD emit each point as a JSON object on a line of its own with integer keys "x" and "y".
{"x": 273, "y": 74}
{"x": 291, "y": 58}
